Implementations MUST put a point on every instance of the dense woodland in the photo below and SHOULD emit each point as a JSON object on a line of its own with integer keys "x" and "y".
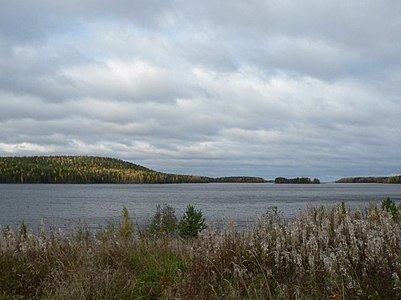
{"x": 298, "y": 180}
{"x": 239, "y": 179}
{"x": 389, "y": 179}
{"x": 93, "y": 169}
{"x": 83, "y": 169}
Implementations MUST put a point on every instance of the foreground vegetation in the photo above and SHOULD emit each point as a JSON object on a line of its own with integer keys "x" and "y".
{"x": 93, "y": 169}
{"x": 388, "y": 179}
{"x": 324, "y": 253}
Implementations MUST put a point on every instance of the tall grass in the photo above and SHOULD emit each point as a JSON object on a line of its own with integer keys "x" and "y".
{"x": 325, "y": 253}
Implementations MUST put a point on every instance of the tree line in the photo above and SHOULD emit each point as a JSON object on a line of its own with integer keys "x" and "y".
{"x": 239, "y": 179}
{"x": 298, "y": 180}
{"x": 387, "y": 179}
{"x": 94, "y": 169}
{"x": 83, "y": 169}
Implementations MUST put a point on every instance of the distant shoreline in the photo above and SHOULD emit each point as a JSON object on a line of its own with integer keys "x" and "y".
{"x": 371, "y": 179}
{"x": 104, "y": 170}
{"x": 95, "y": 170}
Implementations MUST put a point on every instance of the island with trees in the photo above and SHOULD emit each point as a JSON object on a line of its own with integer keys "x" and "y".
{"x": 386, "y": 179}
{"x": 240, "y": 179}
{"x": 298, "y": 180}
{"x": 93, "y": 169}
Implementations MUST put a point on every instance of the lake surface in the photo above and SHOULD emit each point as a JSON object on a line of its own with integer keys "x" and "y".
{"x": 63, "y": 205}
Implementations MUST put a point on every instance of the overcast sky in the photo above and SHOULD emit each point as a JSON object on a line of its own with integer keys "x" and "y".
{"x": 265, "y": 88}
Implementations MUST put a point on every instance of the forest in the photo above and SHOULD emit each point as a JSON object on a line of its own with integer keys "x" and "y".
{"x": 298, "y": 180}
{"x": 239, "y": 179}
{"x": 94, "y": 169}
{"x": 83, "y": 169}
{"x": 388, "y": 179}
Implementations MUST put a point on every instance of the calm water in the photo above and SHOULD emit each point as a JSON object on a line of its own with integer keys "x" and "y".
{"x": 63, "y": 205}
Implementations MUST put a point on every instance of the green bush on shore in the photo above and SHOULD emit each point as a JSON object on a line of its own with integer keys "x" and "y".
{"x": 191, "y": 223}
{"x": 323, "y": 253}
{"x": 164, "y": 222}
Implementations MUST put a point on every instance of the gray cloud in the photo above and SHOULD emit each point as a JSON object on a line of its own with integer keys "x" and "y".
{"x": 290, "y": 88}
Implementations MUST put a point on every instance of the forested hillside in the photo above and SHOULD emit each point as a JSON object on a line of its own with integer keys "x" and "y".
{"x": 389, "y": 179}
{"x": 83, "y": 169}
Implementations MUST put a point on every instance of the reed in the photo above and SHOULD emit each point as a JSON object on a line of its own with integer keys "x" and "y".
{"x": 324, "y": 253}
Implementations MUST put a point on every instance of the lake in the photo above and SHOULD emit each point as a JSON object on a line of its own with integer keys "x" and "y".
{"x": 63, "y": 205}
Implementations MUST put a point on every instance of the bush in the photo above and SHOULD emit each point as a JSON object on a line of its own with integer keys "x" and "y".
{"x": 126, "y": 226}
{"x": 164, "y": 221}
{"x": 390, "y": 206}
{"x": 191, "y": 223}
{"x": 123, "y": 229}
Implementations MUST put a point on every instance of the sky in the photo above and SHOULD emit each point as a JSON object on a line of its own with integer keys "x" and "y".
{"x": 215, "y": 88}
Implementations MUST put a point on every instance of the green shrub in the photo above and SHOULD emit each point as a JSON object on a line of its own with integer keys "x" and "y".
{"x": 158, "y": 269}
{"x": 164, "y": 221}
{"x": 390, "y": 206}
{"x": 191, "y": 223}
{"x": 124, "y": 229}
{"x": 126, "y": 226}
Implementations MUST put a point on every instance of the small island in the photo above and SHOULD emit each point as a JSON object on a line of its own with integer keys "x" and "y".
{"x": 298, "y": 180}
{"x": 386, "y": 179}
{"x": 240, "y": 179}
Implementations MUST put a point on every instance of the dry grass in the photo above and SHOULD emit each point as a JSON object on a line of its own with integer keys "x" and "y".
{"x": 325, "y": 253}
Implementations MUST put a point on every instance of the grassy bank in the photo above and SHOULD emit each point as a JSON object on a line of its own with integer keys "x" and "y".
{"x": 325, "y": 253}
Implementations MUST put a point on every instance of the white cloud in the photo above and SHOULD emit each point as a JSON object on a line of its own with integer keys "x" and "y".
{"x": 255, "y": 88}
{"x": 24, "y": 148}
{"x": 136, "y": 81}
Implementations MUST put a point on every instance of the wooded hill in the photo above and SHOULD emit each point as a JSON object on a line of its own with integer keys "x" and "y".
{"x": 92, "y": 169}
{"x": 388, "y": 179}
{"x": 83, "y": 169}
